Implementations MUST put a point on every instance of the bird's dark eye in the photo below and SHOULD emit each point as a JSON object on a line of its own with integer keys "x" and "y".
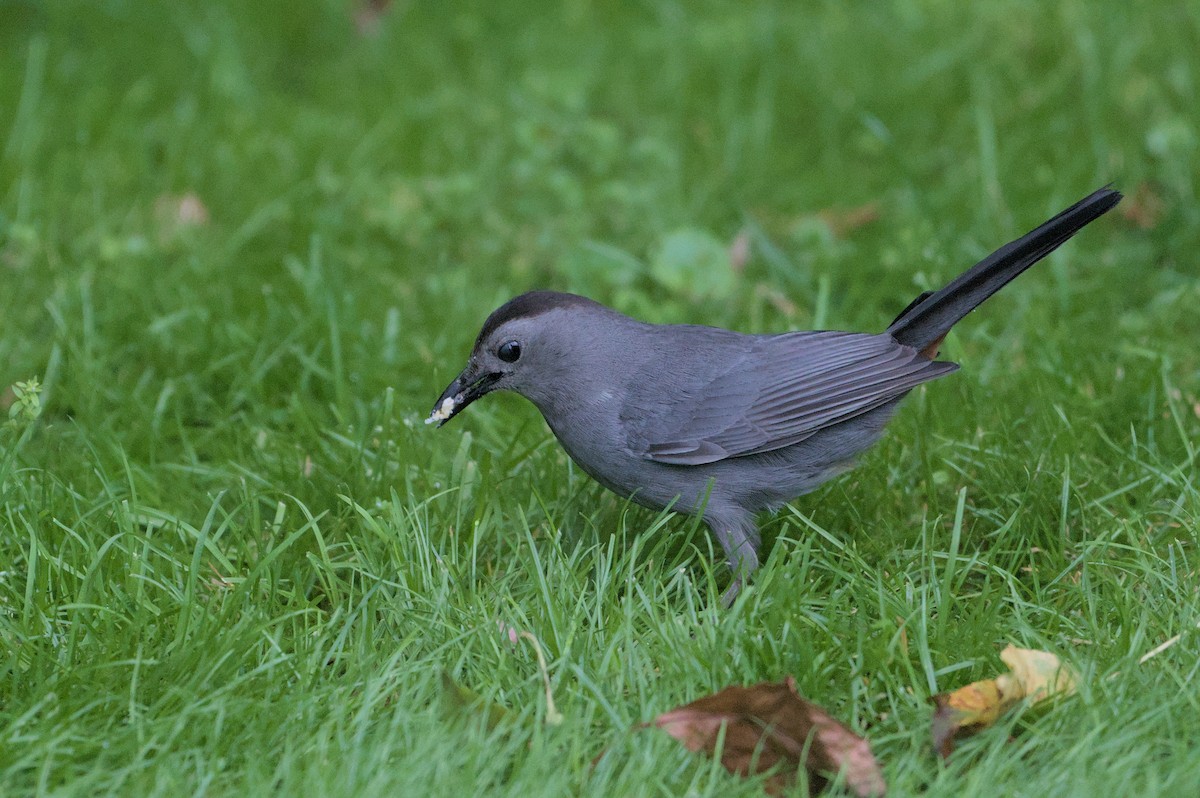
{"x": 509, "y": 352}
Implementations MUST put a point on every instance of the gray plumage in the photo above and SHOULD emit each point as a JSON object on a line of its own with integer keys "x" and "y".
{"x": 717, "y": 422}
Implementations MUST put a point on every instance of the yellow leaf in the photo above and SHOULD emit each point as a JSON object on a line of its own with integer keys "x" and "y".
{"x": 1034, "y": 676}
{"x": 1038, "y": 674}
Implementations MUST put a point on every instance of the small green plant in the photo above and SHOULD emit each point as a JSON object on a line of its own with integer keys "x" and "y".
{"x": 27, "y": 403}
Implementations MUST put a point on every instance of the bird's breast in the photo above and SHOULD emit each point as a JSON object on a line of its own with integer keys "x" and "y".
{"x": 590, "y": 431}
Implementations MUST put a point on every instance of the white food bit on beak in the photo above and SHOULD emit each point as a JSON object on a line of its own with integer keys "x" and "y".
{"x": 442, "y": 413}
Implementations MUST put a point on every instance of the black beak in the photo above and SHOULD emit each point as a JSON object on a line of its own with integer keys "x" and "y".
{"x": 466, "y": 388}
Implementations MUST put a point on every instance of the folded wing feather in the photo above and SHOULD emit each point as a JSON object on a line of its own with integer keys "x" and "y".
{"x": 784, "y": 389}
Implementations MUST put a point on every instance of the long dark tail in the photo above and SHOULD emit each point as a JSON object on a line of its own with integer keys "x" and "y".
{"x": 924, "y": 323}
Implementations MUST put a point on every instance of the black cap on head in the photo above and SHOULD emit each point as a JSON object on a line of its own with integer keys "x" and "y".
{"x": 531, "y": 303}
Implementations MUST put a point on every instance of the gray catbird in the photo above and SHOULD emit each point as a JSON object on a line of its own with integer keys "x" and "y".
{"x": 718, "y": 422}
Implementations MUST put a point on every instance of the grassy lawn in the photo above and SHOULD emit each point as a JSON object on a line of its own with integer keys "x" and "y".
{"x": 243, "y": 247}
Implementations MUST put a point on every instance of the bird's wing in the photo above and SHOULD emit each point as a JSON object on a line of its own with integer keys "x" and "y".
{"x": 782, "y": 389}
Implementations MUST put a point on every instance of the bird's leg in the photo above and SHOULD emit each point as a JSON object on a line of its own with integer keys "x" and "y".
{"x": 740, "y": 540}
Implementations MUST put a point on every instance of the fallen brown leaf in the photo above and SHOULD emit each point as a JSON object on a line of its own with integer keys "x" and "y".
{"x": 770, "y": 724}
{"x": 184, "y": 210}
{"x": 739, "y": 251}
{"x": 368, "y": 16}
{"x": 843, "y": 221}
{"x": 1145, "y": 208}
{"x": 839, "y": 222}
{"x": 1034, "y": 676}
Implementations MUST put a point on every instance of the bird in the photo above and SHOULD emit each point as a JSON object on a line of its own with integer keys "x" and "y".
{"x": 722, "y": 424}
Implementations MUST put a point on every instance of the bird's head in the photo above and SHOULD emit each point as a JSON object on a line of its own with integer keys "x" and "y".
{"x": 528, "y": 345}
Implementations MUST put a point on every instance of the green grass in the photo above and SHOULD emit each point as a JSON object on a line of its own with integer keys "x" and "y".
{"x": 234, "y": 562}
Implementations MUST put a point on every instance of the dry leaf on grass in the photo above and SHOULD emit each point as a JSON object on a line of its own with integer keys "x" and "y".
{"x": 843, "y": 221}
{"x": 368, "y": 16}
{"x": 770, "y": 724}
{"x": 181, "y": 210}
{"x": 739, "y": 250}
{"x": 1034, "y": 676}
{"x": 1145, "y": 208}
